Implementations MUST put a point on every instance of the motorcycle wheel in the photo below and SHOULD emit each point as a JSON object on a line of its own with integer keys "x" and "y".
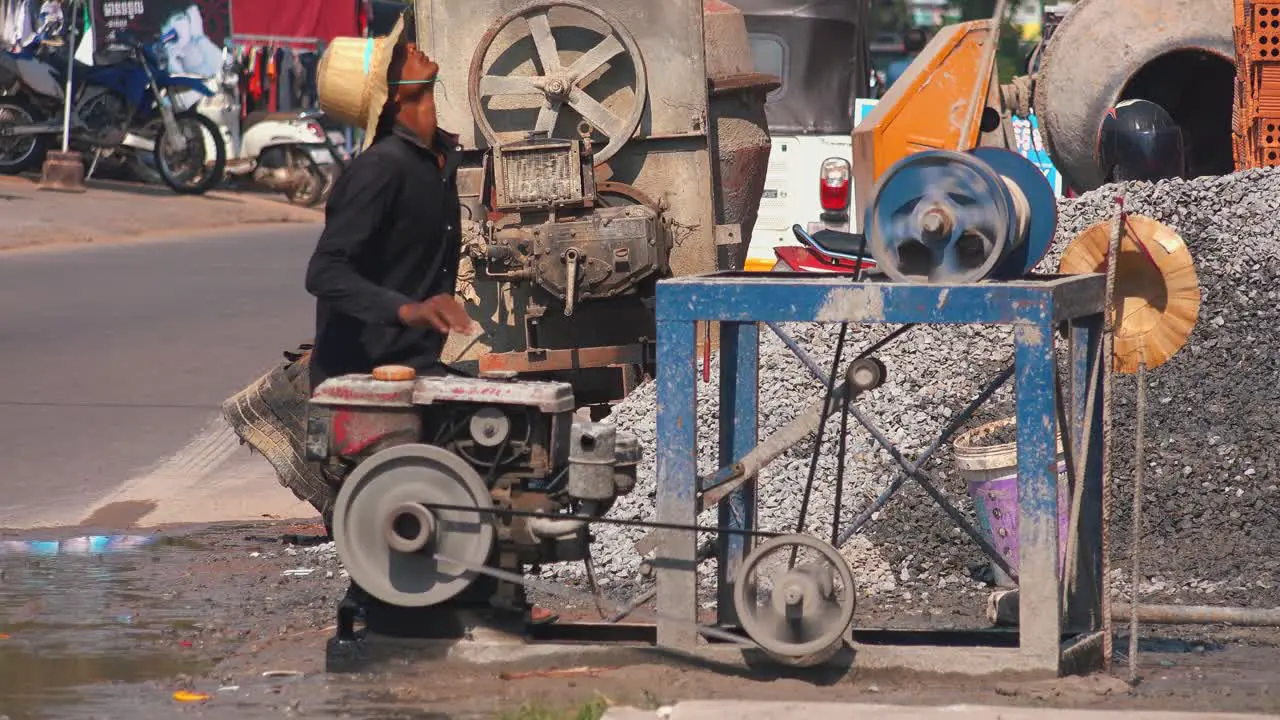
{"x": 198, "y": 180}
{"x": 314, "y": 190}
{"x": 20, "y": 154}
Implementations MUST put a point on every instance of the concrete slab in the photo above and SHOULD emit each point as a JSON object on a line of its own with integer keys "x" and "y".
{"x": 744, "y": 710}
{"x": 212, "y": 479}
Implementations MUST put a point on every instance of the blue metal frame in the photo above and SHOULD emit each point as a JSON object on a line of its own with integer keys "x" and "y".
{"x": 1036, "y": 308}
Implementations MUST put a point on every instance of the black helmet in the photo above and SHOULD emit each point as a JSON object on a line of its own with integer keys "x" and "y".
{"x": 1139, "y": 141}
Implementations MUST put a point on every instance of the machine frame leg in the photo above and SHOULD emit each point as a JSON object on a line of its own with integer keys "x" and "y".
{"x": 739, "y": 427}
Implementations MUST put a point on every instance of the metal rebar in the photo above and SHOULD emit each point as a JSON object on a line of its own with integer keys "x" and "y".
{"x": 1107, "y": 356}
{"x": 1136, "y": 542}
{"x": 1002, "y": 610}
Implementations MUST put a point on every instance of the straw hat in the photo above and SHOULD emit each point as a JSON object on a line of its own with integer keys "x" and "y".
{"x": 352, "y": 79}
{"x": 1156, "y": 288}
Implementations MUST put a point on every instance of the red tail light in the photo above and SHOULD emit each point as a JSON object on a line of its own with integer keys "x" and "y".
{"x": 833, "y": 187}
{"x": 315, "y": 129}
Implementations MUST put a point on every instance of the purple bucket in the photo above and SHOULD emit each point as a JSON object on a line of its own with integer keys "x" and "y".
{"x": 992, "y": 480}
{"x": 997, "y": 504}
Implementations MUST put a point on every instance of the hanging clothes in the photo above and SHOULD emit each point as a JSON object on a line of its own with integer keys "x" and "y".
{"x": 272, "y": 87}
{"x": 17, "y": 22}
{"x": 310, "y": 65}
{"x": 284, "y": 81}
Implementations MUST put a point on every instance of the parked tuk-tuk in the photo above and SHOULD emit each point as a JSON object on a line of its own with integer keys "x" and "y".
{"x": 821, "y": 51}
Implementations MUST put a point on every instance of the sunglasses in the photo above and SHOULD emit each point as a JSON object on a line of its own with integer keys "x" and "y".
{"x": 432, "y": 81}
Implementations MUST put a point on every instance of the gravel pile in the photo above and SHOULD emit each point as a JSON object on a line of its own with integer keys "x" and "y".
{"x": 1209, "y": 508}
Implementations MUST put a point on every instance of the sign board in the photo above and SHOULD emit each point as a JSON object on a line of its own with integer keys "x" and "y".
{"x": 1026, "y": 132}
{"x": 201, "y": 28}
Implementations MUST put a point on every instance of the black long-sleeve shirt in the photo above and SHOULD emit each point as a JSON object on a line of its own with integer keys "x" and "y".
{"x": 392, "y": 236}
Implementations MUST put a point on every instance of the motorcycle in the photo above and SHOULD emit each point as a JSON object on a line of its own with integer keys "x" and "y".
{"x": 825, "y": 251}
{"x": 287, "y": 152}
{"x": 123, "y": 107}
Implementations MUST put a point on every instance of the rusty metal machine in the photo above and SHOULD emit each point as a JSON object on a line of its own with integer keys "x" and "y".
{"x": 608, "y": 146}
{"x": 605, "y": 147}
{"x": 428, "y": 462}
{"x": 942, "y": 199}
{"x": 455, "y": 486}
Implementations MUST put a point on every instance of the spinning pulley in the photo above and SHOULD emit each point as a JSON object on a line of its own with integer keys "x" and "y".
{"x": 946, "y": 217}
{"x": 415, "y": 526}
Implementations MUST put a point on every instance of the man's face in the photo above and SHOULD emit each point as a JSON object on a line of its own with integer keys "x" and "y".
{"x": 412, "y": 66}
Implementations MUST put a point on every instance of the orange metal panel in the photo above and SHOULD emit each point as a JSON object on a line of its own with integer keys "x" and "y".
{"x": 926, "y": 109}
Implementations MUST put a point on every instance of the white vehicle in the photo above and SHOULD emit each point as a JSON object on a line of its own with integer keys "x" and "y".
{"x": 288, "y": 152}
{"x": 820, "y": 51}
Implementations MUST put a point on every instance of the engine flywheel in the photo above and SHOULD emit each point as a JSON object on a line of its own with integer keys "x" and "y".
{"x": 387, "y": 537}
{"x": 808, "y": 601}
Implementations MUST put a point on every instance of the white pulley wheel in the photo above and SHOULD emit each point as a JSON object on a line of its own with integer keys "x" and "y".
{"x": 809, "y": 609}
{"x": 387, "y": 533}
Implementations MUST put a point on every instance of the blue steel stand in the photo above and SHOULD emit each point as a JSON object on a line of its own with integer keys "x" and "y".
{"x": 1049, "y": 641}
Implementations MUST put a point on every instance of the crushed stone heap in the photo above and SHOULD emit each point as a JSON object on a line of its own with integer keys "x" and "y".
{"x": 1210, "y": 508}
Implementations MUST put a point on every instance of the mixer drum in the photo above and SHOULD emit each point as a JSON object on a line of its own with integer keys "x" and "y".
{"x": 1176, "y": 53}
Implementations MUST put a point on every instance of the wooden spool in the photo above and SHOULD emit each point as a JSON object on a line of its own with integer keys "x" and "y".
{"x": 1157, "y": 292}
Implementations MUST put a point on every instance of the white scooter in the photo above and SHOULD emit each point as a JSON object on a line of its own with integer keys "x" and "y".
{"x": 288, "y": 152}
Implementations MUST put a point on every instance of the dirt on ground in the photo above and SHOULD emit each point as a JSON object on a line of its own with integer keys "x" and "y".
{"x": 110, "y": 211}
{"x": 239, "y": 615}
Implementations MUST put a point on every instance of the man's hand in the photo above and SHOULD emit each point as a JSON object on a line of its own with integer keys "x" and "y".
{"x": 442, "y": 312}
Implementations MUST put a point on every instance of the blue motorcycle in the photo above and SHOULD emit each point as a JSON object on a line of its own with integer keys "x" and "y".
{"x": 122, "y": 108}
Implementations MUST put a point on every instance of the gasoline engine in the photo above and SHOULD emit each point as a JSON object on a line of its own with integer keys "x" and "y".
{"x": 481, "y": 471}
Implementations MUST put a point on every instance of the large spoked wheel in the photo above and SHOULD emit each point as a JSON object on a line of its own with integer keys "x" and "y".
{"x": 190, "y": 170}
{"x": 561, "y": 85}
{"x": 20, "y": 153}
{"x": 795, "y": 598}
{"x": 388, "y": 537}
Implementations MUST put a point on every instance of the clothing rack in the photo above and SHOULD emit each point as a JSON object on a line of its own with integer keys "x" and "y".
{"x": 266, "y": 87}
{"x": 315, "y": 43}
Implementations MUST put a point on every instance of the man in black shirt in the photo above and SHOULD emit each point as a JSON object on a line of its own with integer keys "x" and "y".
{"x": 385, "y": 268}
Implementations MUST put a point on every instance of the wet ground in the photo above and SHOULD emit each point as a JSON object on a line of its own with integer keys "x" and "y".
{"x": 116, "y": 626}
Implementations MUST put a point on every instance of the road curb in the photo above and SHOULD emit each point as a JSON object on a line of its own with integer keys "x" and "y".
{"x": 748, "y": 710}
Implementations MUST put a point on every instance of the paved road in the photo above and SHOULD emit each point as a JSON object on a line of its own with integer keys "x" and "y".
{"x": 116, "y": 358}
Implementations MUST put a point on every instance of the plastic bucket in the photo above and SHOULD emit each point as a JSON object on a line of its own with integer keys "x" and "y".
{"x": 991, "y": 473}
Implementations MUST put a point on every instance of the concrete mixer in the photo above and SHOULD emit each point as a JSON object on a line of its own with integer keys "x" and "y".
{"x": 1179, "y": 54}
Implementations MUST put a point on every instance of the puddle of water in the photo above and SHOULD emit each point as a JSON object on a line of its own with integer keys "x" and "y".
{"x": 80, "y": 612}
